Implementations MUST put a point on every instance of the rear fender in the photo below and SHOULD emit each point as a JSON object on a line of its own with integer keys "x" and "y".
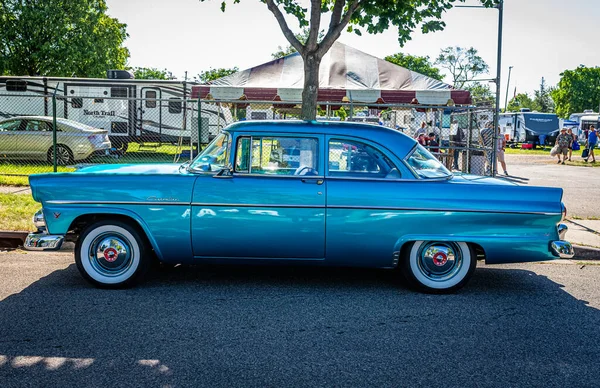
{"x": 498, "y": 249}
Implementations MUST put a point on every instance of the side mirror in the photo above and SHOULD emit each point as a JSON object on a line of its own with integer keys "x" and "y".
{"x": 224, "y": 173}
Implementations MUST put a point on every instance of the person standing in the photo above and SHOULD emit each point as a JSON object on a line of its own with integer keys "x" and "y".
{"x": 500, "y": 146}
{"x": 486, "y": 139}
{"x": 591, "y": 143}
{"x": 421, "y": 131}
{"x": 563, "y": 141}
{"x": 457, "y": 142}
{"x": 570, "y": 132}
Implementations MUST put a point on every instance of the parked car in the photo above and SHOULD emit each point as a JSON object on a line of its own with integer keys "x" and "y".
{"x": 31, "y": 137}
{"x": 292, "y": 192}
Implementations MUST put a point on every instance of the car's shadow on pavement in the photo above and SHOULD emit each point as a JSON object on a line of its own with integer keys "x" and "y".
{"x": 256, "y": 326}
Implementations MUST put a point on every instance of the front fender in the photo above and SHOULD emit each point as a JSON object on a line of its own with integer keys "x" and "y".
{"x": 167, "y": 229}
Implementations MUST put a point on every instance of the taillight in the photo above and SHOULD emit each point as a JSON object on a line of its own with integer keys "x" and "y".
{"x": 564, "y": 211}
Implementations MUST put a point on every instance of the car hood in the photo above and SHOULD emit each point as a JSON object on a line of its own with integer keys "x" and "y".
{"x": 131, "y": 169}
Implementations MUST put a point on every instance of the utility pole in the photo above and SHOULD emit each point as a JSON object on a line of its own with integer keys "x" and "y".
{"x": 507, "y": 86}
{"x": 500, "y": 7}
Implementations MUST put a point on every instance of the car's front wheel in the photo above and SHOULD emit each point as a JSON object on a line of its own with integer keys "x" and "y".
{"x": 112, "y": 254}
{"x": 438, "y": 266}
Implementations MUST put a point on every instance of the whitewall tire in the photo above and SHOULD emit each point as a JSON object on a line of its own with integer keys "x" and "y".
{"x": 438, "y": 266}
{"x": 111, "y": 254}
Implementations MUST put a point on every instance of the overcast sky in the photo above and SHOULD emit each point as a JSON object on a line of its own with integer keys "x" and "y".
{"x": 542, "y": 38}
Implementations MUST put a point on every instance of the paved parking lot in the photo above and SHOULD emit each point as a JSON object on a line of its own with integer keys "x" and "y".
{"x": 514, "y": 325}
{"x": 581, "y": 185}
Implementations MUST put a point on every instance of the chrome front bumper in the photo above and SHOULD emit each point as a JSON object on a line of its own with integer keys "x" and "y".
{"x": 561, "y": 248}
{"x": 43, "y": 242}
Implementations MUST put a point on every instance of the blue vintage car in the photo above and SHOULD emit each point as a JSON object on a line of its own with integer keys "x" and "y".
{"x": 320, "y": 193}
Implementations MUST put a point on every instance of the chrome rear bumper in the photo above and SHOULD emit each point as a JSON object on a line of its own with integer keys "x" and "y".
{"x": 43, "y": 242}
{"x": 562, "y": 249}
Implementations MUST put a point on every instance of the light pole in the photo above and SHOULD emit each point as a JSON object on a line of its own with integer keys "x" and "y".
{"x": 500, "y": 7}
{"x": 507, "y": 85}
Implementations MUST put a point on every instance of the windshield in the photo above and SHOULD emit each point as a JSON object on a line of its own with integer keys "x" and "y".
{"x": 214, "y": 157}
{"x": 426, "y": 165}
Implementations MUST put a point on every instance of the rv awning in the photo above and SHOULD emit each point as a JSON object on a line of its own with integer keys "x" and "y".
{"x": 344, "y": 72}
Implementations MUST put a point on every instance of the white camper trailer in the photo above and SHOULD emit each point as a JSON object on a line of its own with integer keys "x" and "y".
{"x": 528, "y": 126}
{"x": 130, "y": 109}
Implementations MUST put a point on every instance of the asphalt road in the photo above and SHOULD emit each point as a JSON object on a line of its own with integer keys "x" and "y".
{"x": 514, "y": 325}
{"x": 581, "y": 185}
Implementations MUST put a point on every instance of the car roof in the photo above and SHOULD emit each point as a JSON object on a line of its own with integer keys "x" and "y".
{"x": 28, "y": 118}
{"x": 390, "y": 138}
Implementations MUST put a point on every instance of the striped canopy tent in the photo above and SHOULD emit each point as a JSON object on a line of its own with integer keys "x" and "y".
{"x": 344, "y": 72}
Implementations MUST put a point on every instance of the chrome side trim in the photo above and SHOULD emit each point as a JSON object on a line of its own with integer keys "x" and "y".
{"x": 562, "y": 230}
{"x": 59, "y": 202}
{"x": 153, "y": 203}
{"x": 258, "y": 205}
{"x": 239, "y": 174}
{"x": 562, "y": 249}
{"x": 43, "y": 242}
{"x": 438, "y": 210}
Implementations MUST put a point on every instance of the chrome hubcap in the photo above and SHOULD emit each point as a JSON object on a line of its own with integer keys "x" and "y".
{"x": 439, "y": 261}
{"x": 110, "y": 254}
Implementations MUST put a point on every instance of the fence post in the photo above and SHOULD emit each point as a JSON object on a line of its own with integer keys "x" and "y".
{"x": 54, "y": 129}
{"x": 199, "y": 125}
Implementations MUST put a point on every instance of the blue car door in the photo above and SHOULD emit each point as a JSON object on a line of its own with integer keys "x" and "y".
{"x": 271, "y": 206}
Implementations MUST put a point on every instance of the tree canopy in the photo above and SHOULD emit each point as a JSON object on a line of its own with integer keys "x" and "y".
{"x": 463, "y": 64}
{"x": 152, "y": 73}
{"x": 71, "y": 38}
{"x": 541, "y": 101}
{"x": 481, "y": 94}
{"x": 421, "y": 65}
{"x": 302, "y": 38}
{"x": 522, "y": 101}
{"x": 372, "y": 16}
{"x": 577, "y": 90}
{"x": 213, "y": 74}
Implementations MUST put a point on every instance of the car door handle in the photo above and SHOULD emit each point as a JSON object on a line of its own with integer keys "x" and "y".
{"x": 313, "y": 181}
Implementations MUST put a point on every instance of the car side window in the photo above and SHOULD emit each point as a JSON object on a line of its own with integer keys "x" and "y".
{"x": 37, "y": 126}
{"x": 10, "y": 126}
{"x": 354, "y": 159}
{"x": 277, "y": 155}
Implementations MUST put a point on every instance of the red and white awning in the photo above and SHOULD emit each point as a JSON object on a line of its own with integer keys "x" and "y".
{"x": 344, "y": 72}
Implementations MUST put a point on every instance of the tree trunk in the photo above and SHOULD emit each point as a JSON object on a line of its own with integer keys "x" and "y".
{"x": 311, "y": 86}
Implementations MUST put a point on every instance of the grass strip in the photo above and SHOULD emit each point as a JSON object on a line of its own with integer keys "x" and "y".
{"x": 16, "y": 211}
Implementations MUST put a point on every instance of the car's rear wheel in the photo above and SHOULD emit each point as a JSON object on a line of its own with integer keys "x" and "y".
{"x": 112, "y": 254}
{"x": 438, "y": 266}
{"x": 64, "y": 156}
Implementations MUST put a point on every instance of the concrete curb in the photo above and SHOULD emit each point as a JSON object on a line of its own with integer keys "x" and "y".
{"x": 12, "y": 238}
{"x": 586, "y": 253}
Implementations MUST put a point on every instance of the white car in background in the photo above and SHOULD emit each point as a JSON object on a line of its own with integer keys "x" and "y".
{"x": 31, "y": 138}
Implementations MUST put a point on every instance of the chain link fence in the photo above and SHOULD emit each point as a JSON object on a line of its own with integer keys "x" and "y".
{"x": 63, "y": 132}
{"x": 457, "y": 136}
